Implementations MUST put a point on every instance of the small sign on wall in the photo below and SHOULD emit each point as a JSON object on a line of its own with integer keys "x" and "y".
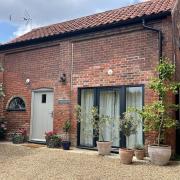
{"x": 63, "y": 101}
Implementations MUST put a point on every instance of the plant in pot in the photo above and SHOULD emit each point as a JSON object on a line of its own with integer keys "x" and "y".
{"x": 139, "y": 152}
{"x": 65, "y": 141}
{"x": 3, "y": 128}
{"x": 20, "y": 136}
{"x": 53, "y": 140}
{"x": 98, "y": 123}
{"x": 158, "y": 116}
{"x": 128, "y": 126}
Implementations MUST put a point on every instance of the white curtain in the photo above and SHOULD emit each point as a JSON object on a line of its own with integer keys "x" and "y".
{"x": 134, "y": 99}
{"x": 110, "y": 106}
{"x": 86, "y": 128}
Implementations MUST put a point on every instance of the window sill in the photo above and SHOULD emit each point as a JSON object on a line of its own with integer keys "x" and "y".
{"x": 16, "y": 110}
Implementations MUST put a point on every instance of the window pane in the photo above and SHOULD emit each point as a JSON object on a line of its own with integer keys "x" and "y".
{"x": 110, "y": 106}
{"x": 86, "y": 130}
{"x": 16, "y": 104}
{"x": 43, "y": 98}
{"x": 134, "y": 99}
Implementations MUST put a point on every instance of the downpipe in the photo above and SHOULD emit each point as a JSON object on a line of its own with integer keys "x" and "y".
{"x": 160, "y": 37}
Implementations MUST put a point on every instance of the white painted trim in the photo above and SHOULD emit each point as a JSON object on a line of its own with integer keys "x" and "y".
{"x": 43, "y": 89}
{"x": 32, "y": 102}
{"x": 38, "y": 140}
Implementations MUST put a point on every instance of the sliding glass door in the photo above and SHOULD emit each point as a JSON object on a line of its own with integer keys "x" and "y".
{"x": 111, "y": 102}
{"x": 134, "y": 100}
{"x": 86, "y": 129}
{"x": 109, "y": 105}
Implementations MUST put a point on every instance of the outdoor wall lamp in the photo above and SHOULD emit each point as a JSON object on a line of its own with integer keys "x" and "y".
{"x": 63, "y": 78}
{"x": 110, "y": 72}
{"x": 27, "y": 81}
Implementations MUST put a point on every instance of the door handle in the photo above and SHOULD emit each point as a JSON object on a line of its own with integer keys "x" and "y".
{"x": 51, "y": 113}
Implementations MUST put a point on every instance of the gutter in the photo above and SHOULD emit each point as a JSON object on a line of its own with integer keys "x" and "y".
{"x": 160, "y": 37}
{"x": 84, "y": 31}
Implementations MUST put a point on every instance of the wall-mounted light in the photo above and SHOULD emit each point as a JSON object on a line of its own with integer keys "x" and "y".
{"x": 110, "y": 72}
{"x": 27, "y": 82}
{"x": 63, "y": 78}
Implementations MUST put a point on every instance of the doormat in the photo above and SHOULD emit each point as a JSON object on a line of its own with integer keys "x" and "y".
{"x": 30, "y": 145}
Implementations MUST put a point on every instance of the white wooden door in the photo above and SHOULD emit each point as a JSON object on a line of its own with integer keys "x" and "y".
{"x": 42, "y": 114}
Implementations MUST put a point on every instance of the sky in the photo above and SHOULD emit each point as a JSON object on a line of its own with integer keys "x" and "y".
{"x": 45, "y": 12}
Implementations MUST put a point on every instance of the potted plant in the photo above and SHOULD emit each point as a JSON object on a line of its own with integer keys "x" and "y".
{"x": 3, "y": 128}
{"x": 52, "y": 139}
{"x": 98, "y": 122}
{"x": 65, "y": 141}
{"x": 128, "y": 126}
{"x": 139, "y": 152}
{"x": 158, "y": 115}
{"x": 20, "y": 136}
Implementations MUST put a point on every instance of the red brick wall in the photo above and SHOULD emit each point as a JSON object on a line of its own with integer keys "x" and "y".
{"x": 176, "y": 40}
{"x": 176, "y": 31}
{"x": 132, "y": 56}
{"x": 1, "y": 82}
{"x": 131, "y": 52}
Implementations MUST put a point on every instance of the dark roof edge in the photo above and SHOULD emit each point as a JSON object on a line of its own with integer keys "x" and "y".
{"x": 81, "y": 31}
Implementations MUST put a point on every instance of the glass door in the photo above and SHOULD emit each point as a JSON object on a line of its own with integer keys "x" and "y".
{"x": 86, "y": 128}
{"x": 111, "y": 102}
{"x": 134, "y": 99}
{"x": 109, "y": 105}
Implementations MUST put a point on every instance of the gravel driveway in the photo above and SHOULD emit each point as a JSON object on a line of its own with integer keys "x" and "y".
{"x": 18, "y": 162}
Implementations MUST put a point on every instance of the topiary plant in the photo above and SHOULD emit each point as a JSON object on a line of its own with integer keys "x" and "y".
{"x": 128, "y": 124}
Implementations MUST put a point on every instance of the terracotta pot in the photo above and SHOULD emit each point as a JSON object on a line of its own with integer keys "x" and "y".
{"x": 104, "y": 148}
{"x": 126, "y": 155}
{"x": 139, "y": 153}
{"x": 159, "y": 155}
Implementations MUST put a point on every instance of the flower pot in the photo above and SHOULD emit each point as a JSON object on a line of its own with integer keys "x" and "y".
{"x": 66, "y": 145}
{"x": 126, "y": 155}
{"x": 53, "y": 143}
{"x": 139, "y": 153}
{"x": 159, "y": 155}
{"x": 104, "y": 147}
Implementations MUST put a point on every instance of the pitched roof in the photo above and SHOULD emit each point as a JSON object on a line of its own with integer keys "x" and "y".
{"x": 146, "y": 8}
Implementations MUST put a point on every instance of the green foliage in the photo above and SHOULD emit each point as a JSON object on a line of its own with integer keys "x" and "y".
{"x": 98, "y": 122}
{"x": 67, "y": 126}
{"x": 166, "y": 70}
{"x": 158, "y": 115}
{"x": 17, "y": 138}
{"x": 159, "y": 87}
{"x": 128, "y": 124}
{"x": 139, "y": 147}
{"x": 3, "y": 128}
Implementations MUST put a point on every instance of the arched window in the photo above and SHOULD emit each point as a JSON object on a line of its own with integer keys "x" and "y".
{"x": 16, "y": 104}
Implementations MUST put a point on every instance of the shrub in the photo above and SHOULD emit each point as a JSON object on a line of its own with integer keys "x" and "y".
{"x": 52, "y": 139}
{"x": 20, "y": 136}
{"x": 3, "y": 128}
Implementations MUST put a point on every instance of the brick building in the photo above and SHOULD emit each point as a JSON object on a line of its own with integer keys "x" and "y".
{"x": 107, "y": 60}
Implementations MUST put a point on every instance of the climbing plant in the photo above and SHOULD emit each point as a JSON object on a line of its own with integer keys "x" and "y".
{"x": 158, "y": 116}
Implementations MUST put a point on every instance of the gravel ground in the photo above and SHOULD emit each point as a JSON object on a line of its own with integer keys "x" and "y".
{"x": 20, "y": 162}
